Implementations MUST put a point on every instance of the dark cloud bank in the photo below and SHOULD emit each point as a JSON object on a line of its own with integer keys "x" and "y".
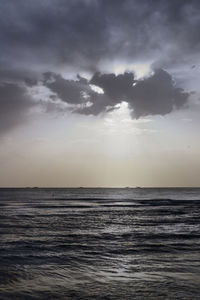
{"x": 84, "y": 32}
{"x": 37, "y": 36}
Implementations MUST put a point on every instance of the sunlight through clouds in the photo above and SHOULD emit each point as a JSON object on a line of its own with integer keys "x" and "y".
{"x": 140, "y": 70}
{"x": 119, "y": 121}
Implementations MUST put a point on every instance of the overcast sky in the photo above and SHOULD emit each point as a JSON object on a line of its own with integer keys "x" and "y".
{"x": 99, "y": 93}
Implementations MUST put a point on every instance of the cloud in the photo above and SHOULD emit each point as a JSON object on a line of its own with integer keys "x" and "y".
{"x": 51, "y": 35}
{"x": 157, "y": 94}
{"x": 84, "y": 36}
{"x": 115, "y": 86}
{"x": 70, "y": 91}
{"x": 14, "y": 106}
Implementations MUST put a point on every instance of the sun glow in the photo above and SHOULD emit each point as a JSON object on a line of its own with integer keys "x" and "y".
{"x": 141, "y": 70}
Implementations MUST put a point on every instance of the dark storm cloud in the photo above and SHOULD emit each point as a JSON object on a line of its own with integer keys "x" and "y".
{"x": 156, "y": 94}
{"x": 70, "y": 91}
{"x": 84, "y": 35}
{"x": 14, "y": 106}
{"x": 77, "y": 92}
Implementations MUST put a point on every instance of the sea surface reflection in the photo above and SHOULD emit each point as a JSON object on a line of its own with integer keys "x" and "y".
{"x": 100, "y": 244}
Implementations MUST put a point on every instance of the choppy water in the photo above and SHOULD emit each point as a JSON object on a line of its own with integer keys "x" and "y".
{"x": 100, "y": 244}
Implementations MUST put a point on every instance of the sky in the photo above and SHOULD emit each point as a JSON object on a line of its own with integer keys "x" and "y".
{"x": 99, "y": 93}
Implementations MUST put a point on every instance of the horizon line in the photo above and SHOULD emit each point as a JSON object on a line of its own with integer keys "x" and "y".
{"x": 98, "y": 187}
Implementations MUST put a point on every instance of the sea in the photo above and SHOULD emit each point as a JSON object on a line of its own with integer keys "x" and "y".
{"x": 100, "y": 243}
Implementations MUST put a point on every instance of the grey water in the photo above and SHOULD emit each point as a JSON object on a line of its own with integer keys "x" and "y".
{"x": 100, "y": 243}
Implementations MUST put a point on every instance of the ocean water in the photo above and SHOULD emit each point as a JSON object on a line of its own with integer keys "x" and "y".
{"x": 100, "y": 244}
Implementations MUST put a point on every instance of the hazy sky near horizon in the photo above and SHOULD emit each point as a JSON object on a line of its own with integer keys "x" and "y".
{"x": 99, "y": 93}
